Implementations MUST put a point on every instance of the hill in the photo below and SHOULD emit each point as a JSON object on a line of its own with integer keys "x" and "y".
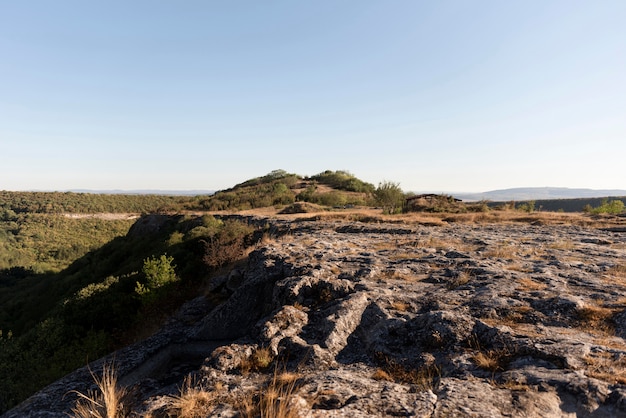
{"x": 538, "y": 193}
{"x": 75, "y": 286}
{"x": 344, "y": 318}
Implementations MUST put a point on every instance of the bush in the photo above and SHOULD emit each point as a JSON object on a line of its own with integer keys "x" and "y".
{"x": 390, "y": 196}
{"x": 614, "y": 207}
{"x": 343, "y": 180}
{"x": 527, "y": 206}
{"x": 159, "y": 272}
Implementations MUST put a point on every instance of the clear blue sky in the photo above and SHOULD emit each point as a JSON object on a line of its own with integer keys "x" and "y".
{"x": 436, "y": 95}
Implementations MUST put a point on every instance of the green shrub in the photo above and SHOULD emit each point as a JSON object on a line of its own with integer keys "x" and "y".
{"x": 527, "y": 206}
{"x": 390, "y": 196}
{"x": 343, "y": 180}
{"x": 159, "y": 272}
{"x": 614, "y": 207}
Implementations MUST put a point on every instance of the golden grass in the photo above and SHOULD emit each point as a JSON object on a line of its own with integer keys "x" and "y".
{"x": 275, "y": 400}
{"x": 562, "y": 245}
{"x": 489, "y": 360}
{"x": 192, "y": 402}
{"x": 526, "y": 284}
{"x": 259, "y": 360}
{"x": 618, "y": 270}
{"x": 399, "y": 305}
{"x": 365, "y": 214}
{"x": 597, "y": 319}
{"x": 380, "y": 374}
{"x": 604, "y": 366}
{"x": 463, "y": 277}
{"x": 106, "y": 402}
{"x": 502, "y": 250}
{"x": 513, "y": 385}
{"x": 519, "y": 267}
{"x": 424, "y": 378}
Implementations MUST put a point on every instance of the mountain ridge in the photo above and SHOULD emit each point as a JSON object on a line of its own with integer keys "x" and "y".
{"x": 534, "y": 193}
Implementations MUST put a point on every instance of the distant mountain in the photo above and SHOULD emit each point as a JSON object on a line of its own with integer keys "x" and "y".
{"x": 537, "y": 193}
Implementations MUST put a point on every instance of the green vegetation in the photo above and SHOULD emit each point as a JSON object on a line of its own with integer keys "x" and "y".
{"x": 390, "y": 196}
{"x": 280, "y": 188}
{"x": 613, "y": 207}
{"x": 159, "y": 272}
{"x": 58, "y": 313}
{"x": 343, "y": 180}
{"x": 528, "y": 206}
{"x": 270, "y": 190}
{"x": 12, "y": 203}
{"x": 47, "y": 243}
{"x": 587, "y": 205}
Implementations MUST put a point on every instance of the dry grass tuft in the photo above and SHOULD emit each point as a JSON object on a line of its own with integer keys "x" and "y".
{"x": 462, "y": 277}
{"x": 618, "y": 270}
{"x": 562, "y": 245}
{"x": 275, "y": 400}
{"x": 399, "y": 305}
{"x": 192, "y": 402}
{"x": 513, "y": 385}
{"x": 425, "y": 378}
{"x": 527, "y": 284}
{"x": 259, "y": 360}
{"x": 491, "y": 360}
{"x": 597, "y": 319}
{"x": 488, "y": 360}
{"x": 380, "y": 374}
{"x": 503, "y": 250}
{"x": 604, "y": 366}
{"x": 106, "y": 402}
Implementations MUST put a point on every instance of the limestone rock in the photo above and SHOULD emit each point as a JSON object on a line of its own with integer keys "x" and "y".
{"x": 365, "y": 319}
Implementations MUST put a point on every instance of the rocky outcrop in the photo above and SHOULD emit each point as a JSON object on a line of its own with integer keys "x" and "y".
{"x": 396, "y": 320}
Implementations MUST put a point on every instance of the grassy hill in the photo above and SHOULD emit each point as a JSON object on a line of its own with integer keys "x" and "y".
{"x": 73, "y": 288}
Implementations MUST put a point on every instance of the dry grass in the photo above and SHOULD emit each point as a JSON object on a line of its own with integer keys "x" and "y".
{"x": 424, "y": 378}
{"x": 462, "y": 278}
{"x": 526, "y": 284}
{"x": 397, "y": 275}
{"x": 520, "y": 267}
{"x": 380, "y": 374}
{"x": 363, "y": 214}
{"x": 259, "y": 360}
{"x": 513, "y": 385}
{"x": 192, "y": 402}
{"x": 404, "y": 255}
{"x": 566, "y": 245}
{"x": 399, "y": 305}
{"x": 106, "y": 402}
{"x": 491, "y": 360}
{"x": 615, "y": 275}
{"x": 275, "y": 400}
{"x": 618, "y": 270}
{"x": 299, "y": 306}
{"x": 597, "y": 319}
{"x": 503, "y": 250}
{"x": 604, "y": 366}
{"x": 488, "y": 360}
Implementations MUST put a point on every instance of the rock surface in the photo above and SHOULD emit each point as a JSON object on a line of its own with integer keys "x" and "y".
{"x": 360, "y": 320}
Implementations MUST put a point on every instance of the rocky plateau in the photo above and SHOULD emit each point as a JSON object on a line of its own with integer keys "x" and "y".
{"x": 354, "y": 319}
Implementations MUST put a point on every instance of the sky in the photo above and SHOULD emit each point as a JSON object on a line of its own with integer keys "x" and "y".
{"x": 463, "y": 96}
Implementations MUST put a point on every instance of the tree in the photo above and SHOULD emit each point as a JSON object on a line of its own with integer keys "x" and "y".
{"x": 159, "y": 272}
{"x": 390, "y": 196}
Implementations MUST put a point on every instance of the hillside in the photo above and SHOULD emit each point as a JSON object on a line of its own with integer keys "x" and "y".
{"x": 83, "y": 275}
{"x": 74, "y": 280}
{"x": 345, "y": 318}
